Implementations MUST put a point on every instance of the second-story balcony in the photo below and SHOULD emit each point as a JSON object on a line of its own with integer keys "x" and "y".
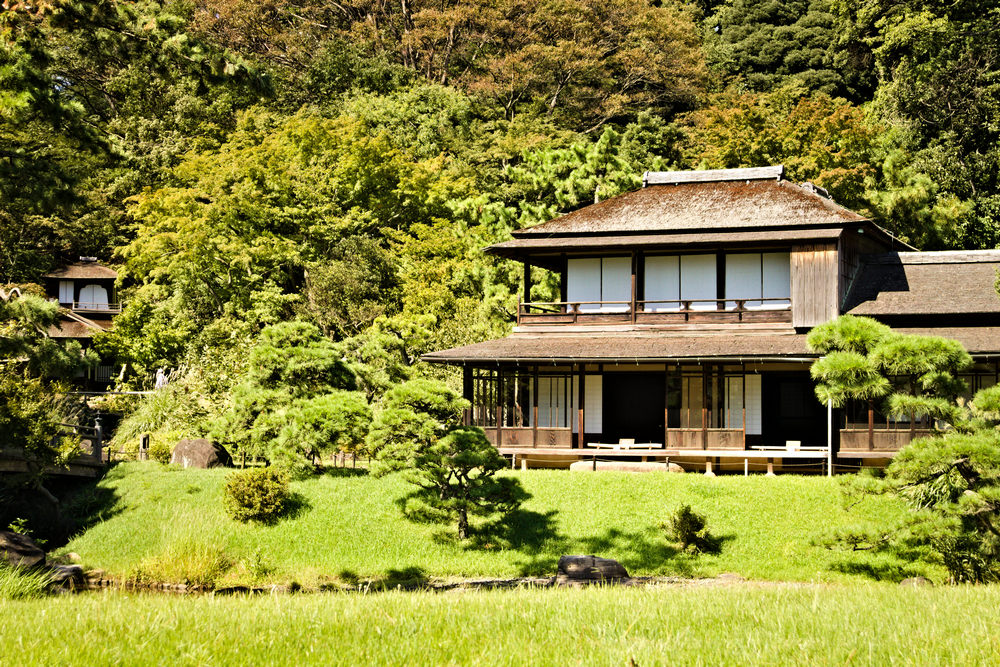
{"x": 93, "y": 307}
{"x": 655, "y": 312}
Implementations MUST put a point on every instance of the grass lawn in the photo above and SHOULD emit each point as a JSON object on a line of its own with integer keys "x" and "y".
{"x": 168, "y": 524}
{"x": 782, "y": 624}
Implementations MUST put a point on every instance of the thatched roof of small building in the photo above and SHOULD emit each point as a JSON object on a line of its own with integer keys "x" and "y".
{"x": 926, "y": 283}
{"x": 84, "y": 270}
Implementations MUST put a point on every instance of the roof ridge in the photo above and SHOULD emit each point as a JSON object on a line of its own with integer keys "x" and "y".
{"x": 713, "y": 175}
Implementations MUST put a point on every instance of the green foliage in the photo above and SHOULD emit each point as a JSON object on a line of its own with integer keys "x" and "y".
{"x": 20, "y": 584}
{"x": 847, "y": 333}
{"x": 412, "y": 416}
{"x": 689, "y": 529}
{"x": 256, "y": 494}
{"x": 953, "y": 482}
{"x": 766, "y": 44}
{"x": 295, "y": 400}
{"x": 456, "y": 476}
{"x": 327, "y": 423}
{"x": 418, "y": 429}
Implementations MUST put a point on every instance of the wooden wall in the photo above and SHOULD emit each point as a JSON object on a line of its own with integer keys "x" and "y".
{"x": 815, "y": 284}
{"x": 853, "y": 248}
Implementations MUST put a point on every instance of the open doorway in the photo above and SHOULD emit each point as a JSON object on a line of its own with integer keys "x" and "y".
{"x": 633, "y": 406}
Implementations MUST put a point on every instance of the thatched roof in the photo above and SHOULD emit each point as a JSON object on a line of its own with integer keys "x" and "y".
{"x": 633, "y": 347}
{"x": 926, "y": 283}
{"x": 83, "y": 271}
{"x": 701, "y": 206}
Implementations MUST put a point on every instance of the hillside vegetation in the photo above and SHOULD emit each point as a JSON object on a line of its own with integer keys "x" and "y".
{"x": 157, "y": 523}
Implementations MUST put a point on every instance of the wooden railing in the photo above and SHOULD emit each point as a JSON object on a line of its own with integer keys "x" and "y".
{"x": 655, "y": 311}
{"x": 97, "y": 307}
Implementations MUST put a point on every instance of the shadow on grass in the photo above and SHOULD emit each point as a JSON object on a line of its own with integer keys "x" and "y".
{"x": 344, "y": 472}
{"x": 537, "y": 538}
{"x": 296, "y": 505}
{"x": 894, "y": 572}
{"x": 407, "y": 578}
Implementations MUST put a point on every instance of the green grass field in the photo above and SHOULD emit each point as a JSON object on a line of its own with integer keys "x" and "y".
{"x": 868, "y": 624}
{"x": 167, "y": 524}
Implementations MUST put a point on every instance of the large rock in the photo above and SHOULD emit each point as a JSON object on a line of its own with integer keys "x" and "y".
{"x": 590, "y": 568}
{"x": 20, "y": 550}
{"x": 200, "y": 453}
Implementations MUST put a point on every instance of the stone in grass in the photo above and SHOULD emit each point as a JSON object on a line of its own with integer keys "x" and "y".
{"x": 590, "y": 569}
{"x": 200, "y": 453}
{"x": 20, "y": 550}
{"x": 67, "y": 576}
{"x": 916, "y": 582}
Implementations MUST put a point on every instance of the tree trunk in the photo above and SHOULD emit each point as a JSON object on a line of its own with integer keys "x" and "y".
{"x": 463, "y": 524}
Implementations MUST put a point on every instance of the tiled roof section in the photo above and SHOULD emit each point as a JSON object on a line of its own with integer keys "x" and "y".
{"x": 926, "y": 283}
{"x": 519, "y": 246}
{"x": 729, "y": 205}
{"x": 83, "y": 271}
{"x": 629, "y": 347}
{"x": 625, "y": 347}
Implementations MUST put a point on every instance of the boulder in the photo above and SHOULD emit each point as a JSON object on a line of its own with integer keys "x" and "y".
{"x": 916, "y": 582}
{"x": 590, "y": 568}
{"x": 200, "y": 453}
{"x": 20, "y": 550}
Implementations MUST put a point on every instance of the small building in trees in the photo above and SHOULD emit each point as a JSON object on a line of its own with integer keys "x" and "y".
{"x": 87, "y": 292}
{"x": 679, "y": 329}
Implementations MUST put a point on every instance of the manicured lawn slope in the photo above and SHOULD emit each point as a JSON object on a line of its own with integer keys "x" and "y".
{"x": 169, "y": 524}
{"x": 867, "y": 624}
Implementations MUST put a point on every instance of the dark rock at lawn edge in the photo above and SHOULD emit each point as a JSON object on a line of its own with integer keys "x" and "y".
{"x": 590, "y": 568}
{"x": 20, "y": 550}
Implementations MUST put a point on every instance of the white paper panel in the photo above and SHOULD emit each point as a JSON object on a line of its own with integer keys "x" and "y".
{"x": 662, "y": 281}
{"x": 65, "y": 291}
{"x": 743, "y": 278}
{"x": 616, "y": 283}
{"x": 698, "y": 280}
{"x": 551, "y": 402}
{"x": 94, "y": 296}
{"x": 753, "y": 404}
{"x": 593, "y": 404}
{"x": 734, "y": 403}
{"x": 777, "y": 278}
{"x": 583, "y": 281}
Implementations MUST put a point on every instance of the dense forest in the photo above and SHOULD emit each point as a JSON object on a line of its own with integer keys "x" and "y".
{"x": 342, "y": 164}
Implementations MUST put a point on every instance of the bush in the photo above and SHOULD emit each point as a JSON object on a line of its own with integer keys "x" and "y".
{"x": 689, "y": 529}
{"x": 256, "y": 494}
{"x": 160, "y": 450}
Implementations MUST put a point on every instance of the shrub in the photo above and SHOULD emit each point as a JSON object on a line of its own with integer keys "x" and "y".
{"x": 256, "y": 494}
{"x": 160, "y": 450}
{"x": 689, "y": 529}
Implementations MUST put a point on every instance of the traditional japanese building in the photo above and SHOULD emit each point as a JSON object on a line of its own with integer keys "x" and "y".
{"x": 681, "y": 325}
{"x": 87, "y": 294}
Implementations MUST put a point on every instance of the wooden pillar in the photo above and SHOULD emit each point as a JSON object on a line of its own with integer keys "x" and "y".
{"x": 499, "y": 407}
{"x": 634, "y": 298}
{"x": 467, "y": 394}
{"x": 579, "y": 408}
{"x": 534, "y": 407}
{"x": 871, "y": 426}
{"x": 527, "y": 283}
{"x": 704, "y": 407}
{"x": 666, "y": 405}
{"x": 743, "y": 393}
